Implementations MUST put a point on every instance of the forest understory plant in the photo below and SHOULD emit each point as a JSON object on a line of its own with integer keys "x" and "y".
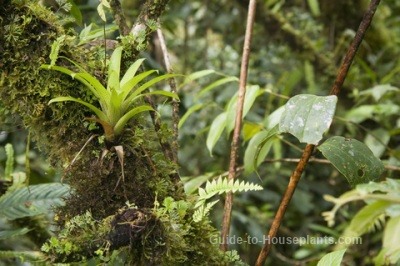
{"x": 148, "y": 218}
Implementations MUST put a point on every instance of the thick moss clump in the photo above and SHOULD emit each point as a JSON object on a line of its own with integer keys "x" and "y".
{"x": 94, "y": 222}
{"x": 29, "y": 31}
{"x": 163, "y": 235}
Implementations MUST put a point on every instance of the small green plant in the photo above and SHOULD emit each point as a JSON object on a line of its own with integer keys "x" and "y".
{"x": 117, "y": 101}
{"x": 219, "y": 186}
{"x": 381, "y": 211}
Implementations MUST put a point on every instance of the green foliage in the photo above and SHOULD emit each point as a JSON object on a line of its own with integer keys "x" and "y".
{"x": 215, "y": 187}
{"x": 101, "y": 9}
{"x": 353, "y": 159}
{"x": 92, "y": 31}
{"x": 10, "y": 161}
{"x": 32, "y": 200}
{"x": 258, "y": 148}
{"x": 55, "y": 49}
{"x": 333, "y": 258}
{"x": 226, "y": 120}
{"x": 72, "y": 238}
{"x": 307, "y": 117}
{"x": 118, "y": 99}
{"x": 180, "y": 234}
{"x": 382, "y": 201}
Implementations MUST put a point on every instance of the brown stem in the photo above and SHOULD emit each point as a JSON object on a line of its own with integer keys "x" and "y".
{"x": 295, "y": 177}
{"x": 119, "y": 17}
{"x": 175, "y": 103}
{"x": 226, "y": 221}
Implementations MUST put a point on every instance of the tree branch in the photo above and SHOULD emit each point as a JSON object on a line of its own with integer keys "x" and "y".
{"x": 119, "y": 17}
{"x": 226, "y": 222}
{"x": 295, "y": 177}
{"x": 175, "y": 103}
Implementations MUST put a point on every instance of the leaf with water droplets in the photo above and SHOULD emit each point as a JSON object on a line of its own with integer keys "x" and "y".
{"x": 353, "y": 159}
{"x": 308, "y": 116}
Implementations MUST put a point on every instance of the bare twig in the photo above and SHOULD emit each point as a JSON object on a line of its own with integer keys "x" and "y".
{"x": 295, "y": 177}
{"x": 238, "y": 122}
{"x": 175, "y": 103}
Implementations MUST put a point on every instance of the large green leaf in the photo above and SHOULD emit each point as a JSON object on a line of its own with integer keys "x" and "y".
{"x": 216, "y": 129}
{"x": 353, "y": 159}
{"x": 332, "y": 259}
{"x": 35, "y": 200}
{"x": 307, "y": 117}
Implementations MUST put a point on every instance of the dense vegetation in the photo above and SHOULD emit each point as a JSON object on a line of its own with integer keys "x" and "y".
{"x": 90, "y": 172}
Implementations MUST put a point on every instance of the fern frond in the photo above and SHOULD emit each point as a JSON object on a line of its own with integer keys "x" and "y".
{"x": 203, "y": 211}
{"x": 35, "y": 200}
{"x": 218, "y": 186}
{"x": 223, "y": 185}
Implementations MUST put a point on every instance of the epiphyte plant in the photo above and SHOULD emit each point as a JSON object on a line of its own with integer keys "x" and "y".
{"x": 117, "y": 101}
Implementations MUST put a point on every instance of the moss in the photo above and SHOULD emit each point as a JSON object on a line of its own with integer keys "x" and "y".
{"x": 163, "y": 235}
{"x": 28, "y": 31}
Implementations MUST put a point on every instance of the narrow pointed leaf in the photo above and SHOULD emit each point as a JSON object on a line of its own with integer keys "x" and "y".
{"x": 114, "y": 69}
{"x": 353, "y": 159}
{"x": 150, "y": 83}
{"x": 196, "y": 75}
{"x": 124, "y": 119}
{"x": 131, "y": 72}
{"x": 73, "y": 75}
{"x": 74, "y": 63}
{"x": 216, "y": 84}
{"x": 307, "y": 117}
{"x": 164, "y": 93}
{"x": 216, "y": 129}
{"x": 103, "y": 94}
{"x": 130, "y": 84}
{"x": 96, "y": 110}
{"x": 190, "y": 111}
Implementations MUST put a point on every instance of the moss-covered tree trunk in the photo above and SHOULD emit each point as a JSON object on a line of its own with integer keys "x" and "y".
{"x": 104, "y": 212}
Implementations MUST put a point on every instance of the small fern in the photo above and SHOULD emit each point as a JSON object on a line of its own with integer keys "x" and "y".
{"x": 218, "y": 186}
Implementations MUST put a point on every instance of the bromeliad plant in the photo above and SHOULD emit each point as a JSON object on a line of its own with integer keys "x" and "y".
{"x": 117, "y": 101}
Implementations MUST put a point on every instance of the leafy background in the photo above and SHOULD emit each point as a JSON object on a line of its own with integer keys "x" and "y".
{"x": 296, "y": 48}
